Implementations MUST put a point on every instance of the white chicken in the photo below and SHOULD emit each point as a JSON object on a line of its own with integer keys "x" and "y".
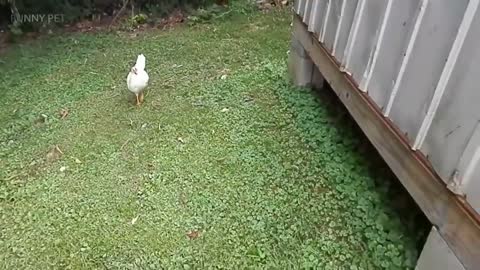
{"x": 137, "y": 79}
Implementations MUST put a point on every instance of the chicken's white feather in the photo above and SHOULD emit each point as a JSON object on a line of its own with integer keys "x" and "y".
{"x": 140, "y": 62}
{"x": 137, "y": 81}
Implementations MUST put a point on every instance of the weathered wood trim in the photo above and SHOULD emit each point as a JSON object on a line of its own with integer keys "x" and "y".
{"x": 452, "y": 217}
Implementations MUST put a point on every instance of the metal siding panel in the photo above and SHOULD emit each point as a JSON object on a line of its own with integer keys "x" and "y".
{"x": 467, "y": 175}
{"x": 319, "y": 10}
{"x": 473, "y": 190}
{"x": 333, "y": 20}
{"x": 426, "y": 64}
{"x": 397, "y": 34}
{"x": 301, "y": 8}
{"x": 437, "y": 255}
{"x": 357, "y": 18}
{"x": 439, "y": 205}
{"x": 345, "y": 27}
{"x": 325, "y": 13}
{"x": 325, "y": 21}
{"x": 366, "y": 38}
{"x": 308, "y": 11}
{"x": 447, "y": 71}
{"x": 315, "y": 20}
{"x": 458, "y": 113}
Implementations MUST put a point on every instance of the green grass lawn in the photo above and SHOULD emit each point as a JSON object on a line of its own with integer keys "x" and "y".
{"x": 240, "y": 171}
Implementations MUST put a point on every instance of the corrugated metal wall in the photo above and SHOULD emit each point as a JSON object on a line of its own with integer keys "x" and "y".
{"x": 416, "y": 60}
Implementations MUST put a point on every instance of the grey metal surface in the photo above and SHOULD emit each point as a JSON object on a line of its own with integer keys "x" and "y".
{"x": 365, "y": 41}
{"x": 457, "y": 117}
{"x": 391, "y": 53}
{"x": 345, "y": 27}
{"x": 436, "y": 255}
{"x": 417, "y": 60}
{"x": 333, "y": 19}
{"x": 429, "y": 55}
{"x": 316, "y": 18}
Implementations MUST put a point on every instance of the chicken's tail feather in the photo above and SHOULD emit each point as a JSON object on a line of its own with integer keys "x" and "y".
{"x": 140, "y": 62}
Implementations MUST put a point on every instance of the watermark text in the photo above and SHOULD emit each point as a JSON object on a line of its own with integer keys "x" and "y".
{"x": 38, "y": 18}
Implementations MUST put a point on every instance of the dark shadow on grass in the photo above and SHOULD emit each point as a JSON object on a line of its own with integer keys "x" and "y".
{"x": 391, "y": 189}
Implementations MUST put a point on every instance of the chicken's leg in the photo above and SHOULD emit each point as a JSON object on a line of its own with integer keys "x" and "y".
{"x": 141, "y": 97}
{"x": 138, "y": 101}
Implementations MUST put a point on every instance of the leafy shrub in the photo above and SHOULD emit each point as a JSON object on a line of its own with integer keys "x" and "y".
{"x": 140, "y": 19}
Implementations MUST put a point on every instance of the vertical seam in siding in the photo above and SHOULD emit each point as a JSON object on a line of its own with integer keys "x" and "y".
{"x": 302, "y": 8}
{"x": 366, "y": 81}
{"x": 406, "y": 58}
{"x": 308, "y": 11}
{"x": 313, "y": 17}
{"x": 469, "y": 171}
{"x": 353, "y": 33}
{"x": 447, "y": 72}
{"x": 339, "y": 26}
{"x": 325, "y": 21}
{"x": 467, "y": 164}
{"x": 297, "y": 6}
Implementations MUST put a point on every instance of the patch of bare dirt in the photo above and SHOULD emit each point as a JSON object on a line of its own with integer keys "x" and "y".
{"x": 177, "y": 17}
{"x": 5, "y": 39}
{"x": 266, "y": 5}
{"x": 97, "y": 24}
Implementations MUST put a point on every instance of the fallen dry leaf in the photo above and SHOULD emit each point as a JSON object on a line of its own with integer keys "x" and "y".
{"x": 58, "y": 149}
{"x": 223, "y": 77}
{"x": 63, "y": 113}
{"x": 193, "y": 234}
{"x": 180, "y": 139}
{"x": 225, "y": 110}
